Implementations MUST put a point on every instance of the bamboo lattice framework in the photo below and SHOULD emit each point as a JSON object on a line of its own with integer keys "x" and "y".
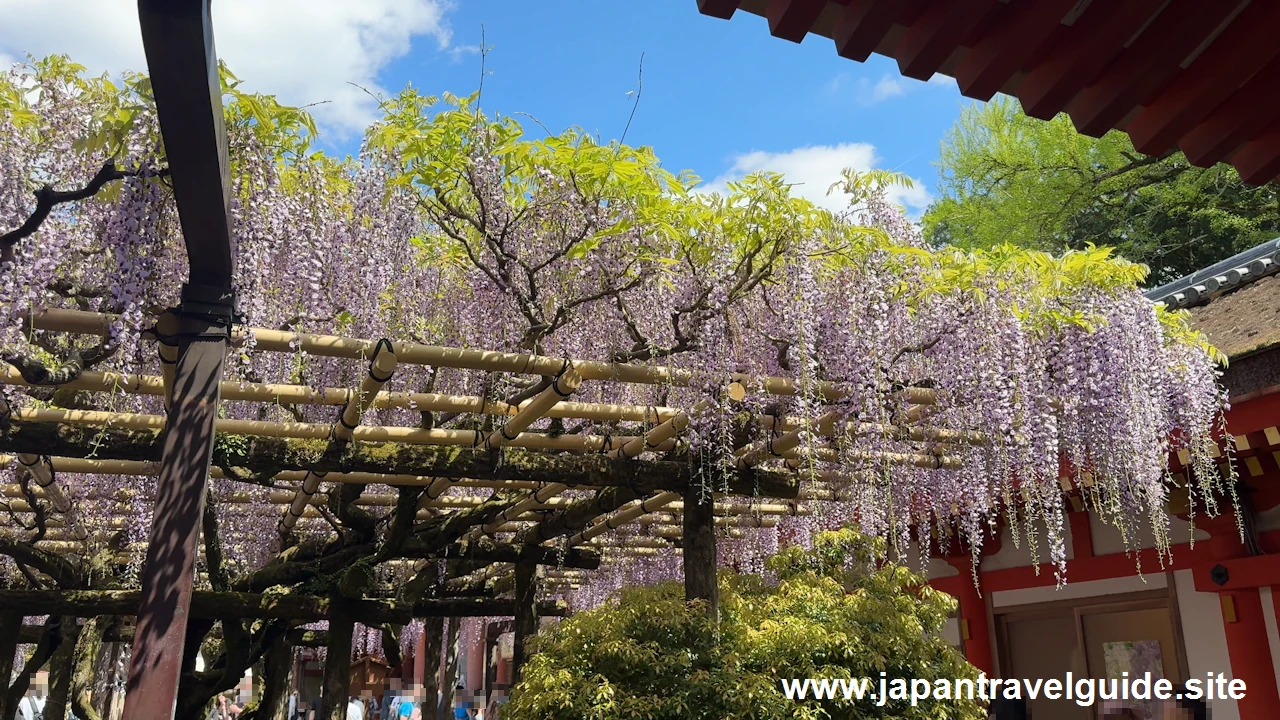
{"x": 574, "y": 488}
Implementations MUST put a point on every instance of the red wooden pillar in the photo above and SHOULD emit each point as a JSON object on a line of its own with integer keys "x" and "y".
{"x": 419, "y": 662}
{"x": 1250, "y": 653}
{"x": 1246, "y": 630}
{"x": 975, "y": 627}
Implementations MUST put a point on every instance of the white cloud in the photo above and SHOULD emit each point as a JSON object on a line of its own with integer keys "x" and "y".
{"x": 942, "y": 80}
{"x": 874, "y": 93}
{"x": 889, "y": 85}
{"x": 304, "y": 51}
{"x": 812, "y": 169}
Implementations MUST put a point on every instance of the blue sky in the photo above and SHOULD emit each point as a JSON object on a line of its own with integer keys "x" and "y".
{"x": 716, "y": 94}
{"x": 720, "y": 98}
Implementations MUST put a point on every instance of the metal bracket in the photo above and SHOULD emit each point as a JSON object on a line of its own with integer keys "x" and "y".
{"x": 216, "y": 303}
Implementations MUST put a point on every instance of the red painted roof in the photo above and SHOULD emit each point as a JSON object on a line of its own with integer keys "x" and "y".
{"x": 1198, "y": 75}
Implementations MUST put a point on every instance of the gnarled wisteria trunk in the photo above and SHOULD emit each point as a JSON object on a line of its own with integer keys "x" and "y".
{"x": 451, "y": 228}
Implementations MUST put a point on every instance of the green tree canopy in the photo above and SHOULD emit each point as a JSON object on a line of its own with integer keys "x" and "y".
{"x": 1010, "y": 178}
{"x": 832, "y": 614}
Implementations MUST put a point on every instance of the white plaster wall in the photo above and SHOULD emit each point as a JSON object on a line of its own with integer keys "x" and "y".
{"x": 1269, "y": 519}
{"x": 1011, "y": 557}
{"x": 934, "y": 569}
{"x": 1205, "y": 637}
{"x": 1107, "y": 539}
{"x": 1273, "y": 636}
{"x": 1074, "y": 590}
{"x": 951, "y": 631}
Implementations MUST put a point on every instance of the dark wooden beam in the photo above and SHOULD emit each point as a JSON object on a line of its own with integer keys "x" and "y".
{"x": 792, "y": 19}
{"x": 699, "y": 556}
{"x": 277, "y": 666}
{"x": 253, "y": 453}
{"x": 302, "y": 608}
{"x": 11, "y": 628}
{"x": 863, "y": 24}
{"x": 1019, "y": 28}
{"x": 525, "y": 624}
{"x": 1246, "y": 113}
{"x": 177, "y": 36}
{"x": 1097, "y": 36}
{"x": 937, "y": 33}
{"x": 428, "y": 666}
{"x": 449, "y": 679}
{"x": 169, "y": 572}
{"x": 61, "y": 667}
{"x": 337, "y": 667}
{"x": 1259, "y": 160}
{"x": 722, "y": 9}
{"x": 1147, "y": 66}
{"x": 1243, "y": 48}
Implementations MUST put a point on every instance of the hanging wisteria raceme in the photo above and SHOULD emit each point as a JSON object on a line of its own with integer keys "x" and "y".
{"x": 453, "y": 228}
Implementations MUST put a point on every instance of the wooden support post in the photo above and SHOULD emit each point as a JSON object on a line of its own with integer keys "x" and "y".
{"x": 337, "y": 669}
{"x": 61, "y": 666}
{"x": 10, "y": 628}
{"x": 177, "y": 38}
{"x": 526, "y": 620}
{"x": 277, "y": 666}
{"x": 169, "y": 573}
{"x": 491, "y": 633}
{"x": 700, "y": 549}
{"x": 428, "y": 666}
{"x": 449, "y": 673}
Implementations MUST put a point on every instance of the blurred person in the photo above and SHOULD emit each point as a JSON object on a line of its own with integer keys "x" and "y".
{"x": 461, "y": 707}
{"x": 1003, "y": 708}
{"x": 1184, "y": 709}
{"x": 30, "y": 707}
{"x": 355, "y": 708}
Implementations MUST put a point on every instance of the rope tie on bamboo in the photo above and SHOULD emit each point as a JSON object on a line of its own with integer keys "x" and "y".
{"x": 555, "y": 381}
{"x": 773, "y": 433}
{"x": 384, "y": 343}
{"x": 607, "y": 444}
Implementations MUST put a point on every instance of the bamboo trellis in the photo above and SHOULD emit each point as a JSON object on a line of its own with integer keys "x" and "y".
{"x": 299, "y": 495}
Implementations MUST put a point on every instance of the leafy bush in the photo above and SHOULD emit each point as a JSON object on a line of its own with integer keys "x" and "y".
{"x": 831, "y": 614}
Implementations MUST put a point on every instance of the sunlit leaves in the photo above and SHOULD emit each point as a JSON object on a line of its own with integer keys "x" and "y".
{"x": 834, "y": 614}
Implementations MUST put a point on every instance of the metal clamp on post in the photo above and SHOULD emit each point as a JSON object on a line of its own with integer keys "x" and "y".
{"x": 217, "y": 304}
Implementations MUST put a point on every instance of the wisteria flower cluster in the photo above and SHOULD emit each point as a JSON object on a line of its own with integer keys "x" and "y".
{"x": 456, "y": 228}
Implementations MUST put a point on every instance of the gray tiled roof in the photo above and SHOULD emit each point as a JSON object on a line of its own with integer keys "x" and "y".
{"x": 1235, "y": 271}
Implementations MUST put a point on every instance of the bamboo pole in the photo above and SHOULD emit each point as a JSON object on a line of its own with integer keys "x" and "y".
{"x": 624, "y": 541}
{"x": 562, "y": 386}
{"x": 660, "y": 434}
{"x": 320, "y": 431}
{"x": 97, "y": 381}
{"x": 142, "y": 468}
{"x": 618, "y": 519}
{"x": 757, "y": 452}
{"x": 913, "y": 433}
{"x": 795, "y": 459}
{"x": 381, "y": 368}
{"x": 78, "y": 321}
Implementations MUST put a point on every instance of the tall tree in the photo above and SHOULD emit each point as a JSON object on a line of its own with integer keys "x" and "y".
{"x": 1010, "y": 178}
